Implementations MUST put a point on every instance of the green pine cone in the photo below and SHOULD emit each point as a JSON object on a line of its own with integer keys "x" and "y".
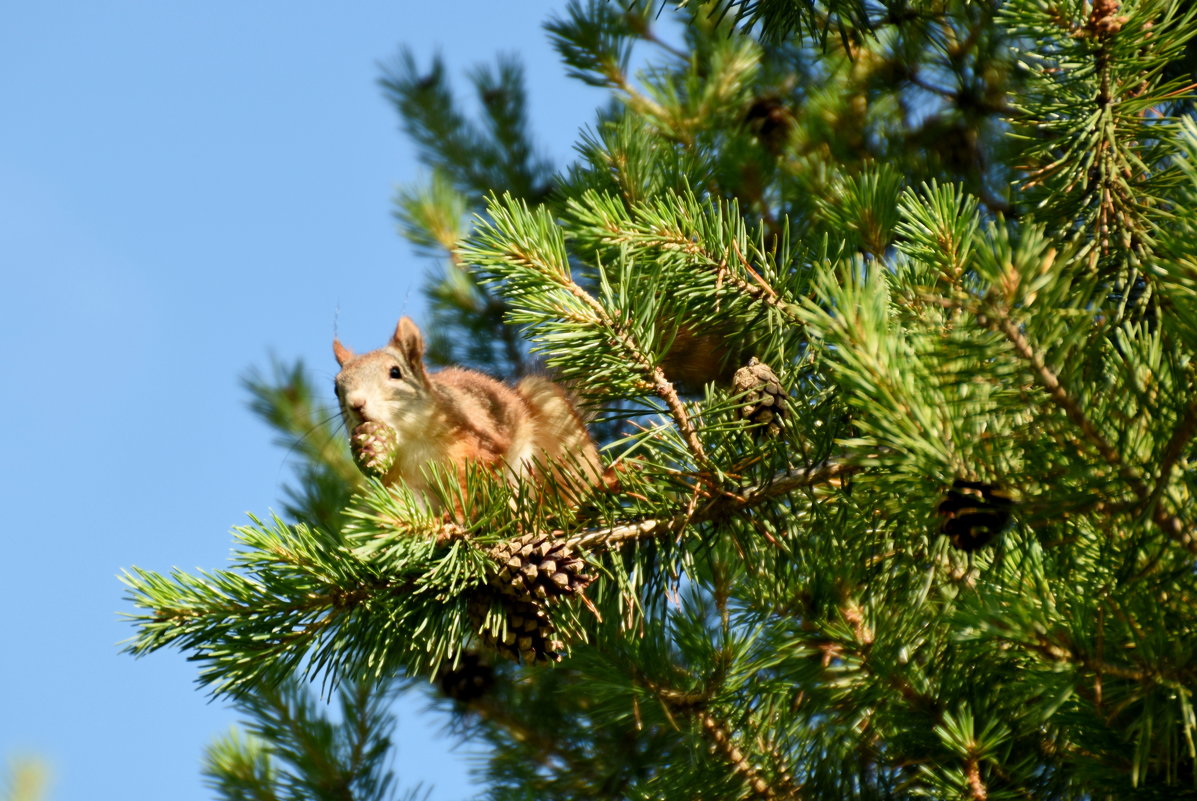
{"x": 374, "y": 447}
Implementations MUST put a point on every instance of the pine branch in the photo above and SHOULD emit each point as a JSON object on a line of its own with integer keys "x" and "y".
{"x": 779, "y": 19}
{"x": 716, "y": 507}
{"x": 496, "y": 152}
{"x": 1185, "y": 429}
{"x": 524, "y": 250}
{"x": 1171, "y": 525}
{"x": 679, "y": 231}
{"x": 722, "y": 741}
{"x": 1089, "y": 121}
{"x": 696, "y": 705}
{"x": 294, "y": 750}
{"x": 595, "y": 40}
{"x": 1001, "y": 322}
{"x": 654, "y": 374}
{"x": 305, "y": 595}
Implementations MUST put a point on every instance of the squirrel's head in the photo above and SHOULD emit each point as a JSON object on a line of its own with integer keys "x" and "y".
{"x": 370, "y": 385}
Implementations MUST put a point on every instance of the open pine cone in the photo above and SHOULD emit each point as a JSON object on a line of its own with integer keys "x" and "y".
{"x": 538, "y": 566}
{"x": 527, "y": 633}
{"x": 534, "y": 570}
{"x": 764, "y": 401}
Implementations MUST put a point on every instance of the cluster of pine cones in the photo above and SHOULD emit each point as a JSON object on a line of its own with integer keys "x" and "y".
{"x": 535, "y": 570}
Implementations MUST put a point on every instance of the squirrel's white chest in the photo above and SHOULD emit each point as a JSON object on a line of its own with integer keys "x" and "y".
{"x": 420, "y": 444}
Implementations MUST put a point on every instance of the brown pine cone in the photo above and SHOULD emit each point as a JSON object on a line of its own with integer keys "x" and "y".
{"x": 764, "y": 398}
{"x": 974, "y": 513}
{"x": 538, "y": 566}
{"x": 526, "y": 634}
{"x": 469, "y": 680}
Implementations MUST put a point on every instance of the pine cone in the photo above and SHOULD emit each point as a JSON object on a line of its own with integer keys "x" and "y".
{"x": 471, "y": 679}
{"x": 764, "y": 401}
{"x": 374, "y": 447}
{"x": 974, "y": 513}
{"x": 770, "y": 120}
{"x": 538, "y": 566}
{"x": 528, "y": 634}
{"x": 696, "y": 359}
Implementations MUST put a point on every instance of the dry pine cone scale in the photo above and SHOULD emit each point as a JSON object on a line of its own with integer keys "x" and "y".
{"x": 526, "y": 632}
{"x": 538, "y": 566}
{"x": 764, "y": 398}
{"x": 534, "y": 570}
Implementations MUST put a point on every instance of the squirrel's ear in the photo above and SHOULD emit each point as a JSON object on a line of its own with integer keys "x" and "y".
{"x": 409, "y": 341}
{"x": 342, "y": 353}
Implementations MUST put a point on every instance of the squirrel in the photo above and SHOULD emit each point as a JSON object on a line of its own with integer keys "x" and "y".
{"x": 403, "y": 419}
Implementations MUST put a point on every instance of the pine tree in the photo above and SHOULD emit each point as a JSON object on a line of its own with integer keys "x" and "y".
{"x": 886, "y": 313}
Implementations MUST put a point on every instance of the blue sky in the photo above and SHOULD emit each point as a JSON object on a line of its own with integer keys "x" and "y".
{"x": 185, "y": 189}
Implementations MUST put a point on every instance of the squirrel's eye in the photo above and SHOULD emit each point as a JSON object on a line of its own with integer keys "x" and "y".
{"x": 336, "y": 389}
{"x": 395, "y": 373}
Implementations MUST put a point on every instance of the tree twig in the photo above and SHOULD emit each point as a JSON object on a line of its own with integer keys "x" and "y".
{"x": 1181, "y": 436}
{"x": 723, "y": 743}
{"x": 782, "y": 483}
{"x": 1170, "y": 524}
{"x": 653, "y": 373}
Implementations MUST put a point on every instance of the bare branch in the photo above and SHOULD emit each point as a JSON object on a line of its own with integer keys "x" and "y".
{"x": 783, "y": 483}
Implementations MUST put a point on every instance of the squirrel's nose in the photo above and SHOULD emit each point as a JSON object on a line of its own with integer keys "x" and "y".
{"x": 357, "y": 403}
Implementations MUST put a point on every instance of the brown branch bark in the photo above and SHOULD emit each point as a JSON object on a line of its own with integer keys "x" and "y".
{"x": 1185, "y": 429}
{"x": 654, "y": 375}
{"x": 782, "y": 483}
{"x": 724, "y": 744}
{"x": 694, "y": 705}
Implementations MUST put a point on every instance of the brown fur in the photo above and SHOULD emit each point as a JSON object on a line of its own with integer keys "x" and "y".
{"x": 458, "y": 417}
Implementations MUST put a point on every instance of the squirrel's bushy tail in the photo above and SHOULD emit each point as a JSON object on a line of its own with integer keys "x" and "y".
{"x": 565, "y": 446}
